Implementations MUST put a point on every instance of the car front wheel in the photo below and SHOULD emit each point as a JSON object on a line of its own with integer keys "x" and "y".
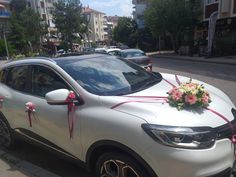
{"x": 6, "y": 138}
{"x": 118, "y": 165}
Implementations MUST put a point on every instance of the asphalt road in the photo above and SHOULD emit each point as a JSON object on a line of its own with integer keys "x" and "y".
{"x": 221, "y": 76}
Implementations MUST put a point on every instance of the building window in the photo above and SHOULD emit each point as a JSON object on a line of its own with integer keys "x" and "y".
{"x": 44, "y": 17}
{"x": 42, "y": 4}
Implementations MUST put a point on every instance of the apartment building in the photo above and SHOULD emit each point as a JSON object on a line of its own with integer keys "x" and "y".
{"x": 45, "y": 9}
{"x": 139, "y": 7}
{"x": 110, "y": 22}
{"x": 225, "y": 8}
{"x": 96, "y": 24}
{"x": 225, "y": 30}
{"x": 226, "y": 22}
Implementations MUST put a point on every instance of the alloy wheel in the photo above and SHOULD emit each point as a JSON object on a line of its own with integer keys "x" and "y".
{"x": 117, "y": 168}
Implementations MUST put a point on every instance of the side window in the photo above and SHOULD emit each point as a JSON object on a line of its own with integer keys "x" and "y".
{"x": 45, "y": 80}
{"x": 3, "y": 74}
{"x": 17, "y": 78}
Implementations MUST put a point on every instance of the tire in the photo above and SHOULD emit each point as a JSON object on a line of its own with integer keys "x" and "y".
{"x": 6, "y": 136}
{"x": 118, "y": 165}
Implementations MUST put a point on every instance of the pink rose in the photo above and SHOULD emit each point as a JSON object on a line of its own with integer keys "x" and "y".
{"x": 191, "y": 99}
{"x": 172, "y": 90}
{"x": 205, "y": 98}
{"x": 177, "y": 95}
{"x": 192, "y": 85}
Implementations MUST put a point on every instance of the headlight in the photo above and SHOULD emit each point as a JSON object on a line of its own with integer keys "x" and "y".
{"x": 182, "y": 137}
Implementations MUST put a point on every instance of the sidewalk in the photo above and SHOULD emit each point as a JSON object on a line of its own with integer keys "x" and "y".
{"x": 13, "y": 167}
{"x": 228, "y": 60}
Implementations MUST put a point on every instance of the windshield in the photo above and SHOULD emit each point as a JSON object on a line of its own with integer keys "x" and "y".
{"x": 109, "y": 76}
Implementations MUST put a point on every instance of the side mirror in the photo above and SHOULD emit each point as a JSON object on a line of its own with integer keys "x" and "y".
{"x": 58, "y": 97}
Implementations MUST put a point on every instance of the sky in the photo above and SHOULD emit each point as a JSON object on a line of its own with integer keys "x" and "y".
{"x": 111, "y": 7}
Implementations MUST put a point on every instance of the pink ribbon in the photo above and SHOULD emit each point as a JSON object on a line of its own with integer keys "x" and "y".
{"x": 177, "y": 80}
{"x": 146, "y": 98}
{"x": 30, "y": 109}
{"x": 233, "y": 138}
{"x": 1, "y": 101}
{"x": 71, "y": 112}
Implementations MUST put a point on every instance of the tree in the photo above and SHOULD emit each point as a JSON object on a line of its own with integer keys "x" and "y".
{"x": 26, "y": 28}
{"x": 69, "y": 21}
{"x": 172, "y": 17}
{"x": 126, "y": 31}
{"x": 18, "y": 6}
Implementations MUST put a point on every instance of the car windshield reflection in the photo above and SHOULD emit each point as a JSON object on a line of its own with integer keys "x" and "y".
{"x": 109, "y": 76}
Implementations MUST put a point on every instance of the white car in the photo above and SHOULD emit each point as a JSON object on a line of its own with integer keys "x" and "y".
{"x": 112, "y": 116}
{"x": 113, "y": 51}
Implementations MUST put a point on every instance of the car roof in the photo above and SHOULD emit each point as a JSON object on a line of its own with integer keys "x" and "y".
{"x": 113, "y": 49}
{"x": 81, "y": 57}
{"x": 44, "y": 60}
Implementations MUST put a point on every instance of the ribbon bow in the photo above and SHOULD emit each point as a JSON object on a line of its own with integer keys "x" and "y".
{"x": 71, "y": 112}
{"x": 1, "y": 101}
{"x": 30, "y": 109}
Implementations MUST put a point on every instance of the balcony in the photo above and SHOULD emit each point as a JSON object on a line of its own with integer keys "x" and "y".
{"x": 4, "y": 14}
{"x": 5, "y": 1}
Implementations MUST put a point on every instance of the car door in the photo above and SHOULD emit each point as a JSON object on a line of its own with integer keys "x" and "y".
{"x": 51, "y": 121}
{"x": 16, "y": 92}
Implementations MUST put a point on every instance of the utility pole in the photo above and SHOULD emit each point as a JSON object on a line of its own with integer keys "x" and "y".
{"x": 6, "y": 46}
{"x": 3, "y": 32}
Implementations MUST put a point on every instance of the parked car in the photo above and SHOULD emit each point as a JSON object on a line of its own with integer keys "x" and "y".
{"x": 70, "y": 54}
{"x": 113, "y": 117}
{"x": 113, "y": 51}
{"x": 101, "y": 50}
{"x": 61, "y": 51}
{"x": 137, "y": 56}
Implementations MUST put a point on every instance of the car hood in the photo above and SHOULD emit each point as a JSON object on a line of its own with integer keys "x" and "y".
{"x": 157, "y": 111}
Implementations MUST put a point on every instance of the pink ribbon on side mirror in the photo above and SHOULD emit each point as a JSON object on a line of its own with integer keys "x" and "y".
{"x": 71, "y": 112}
{"x": 1, "y": 101}
{"x": 30, "y": 109}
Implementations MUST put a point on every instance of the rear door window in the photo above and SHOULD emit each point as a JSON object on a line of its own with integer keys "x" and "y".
{"x": 18, "y": 78}
{"x": 3, "y": 74}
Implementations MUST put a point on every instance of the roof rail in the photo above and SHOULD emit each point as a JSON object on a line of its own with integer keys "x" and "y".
{"x": 44, "y": 58}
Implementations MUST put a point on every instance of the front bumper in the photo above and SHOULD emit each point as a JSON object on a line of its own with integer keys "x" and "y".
{"x": 174, "y": 162}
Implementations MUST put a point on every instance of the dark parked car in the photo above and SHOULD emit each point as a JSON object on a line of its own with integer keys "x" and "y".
{"x": 137, "y": 56}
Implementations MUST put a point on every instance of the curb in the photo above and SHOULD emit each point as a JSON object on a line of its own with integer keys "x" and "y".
{"x": 19, "y": 166}
{"x": 195, "y": 59}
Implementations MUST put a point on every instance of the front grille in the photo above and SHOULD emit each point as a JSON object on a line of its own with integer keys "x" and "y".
{"x": 225, "y": 173}
{"x": 225, "y": 131}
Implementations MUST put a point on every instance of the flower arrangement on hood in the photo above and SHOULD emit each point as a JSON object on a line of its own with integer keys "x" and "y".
{"x": 188, "y": 95}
